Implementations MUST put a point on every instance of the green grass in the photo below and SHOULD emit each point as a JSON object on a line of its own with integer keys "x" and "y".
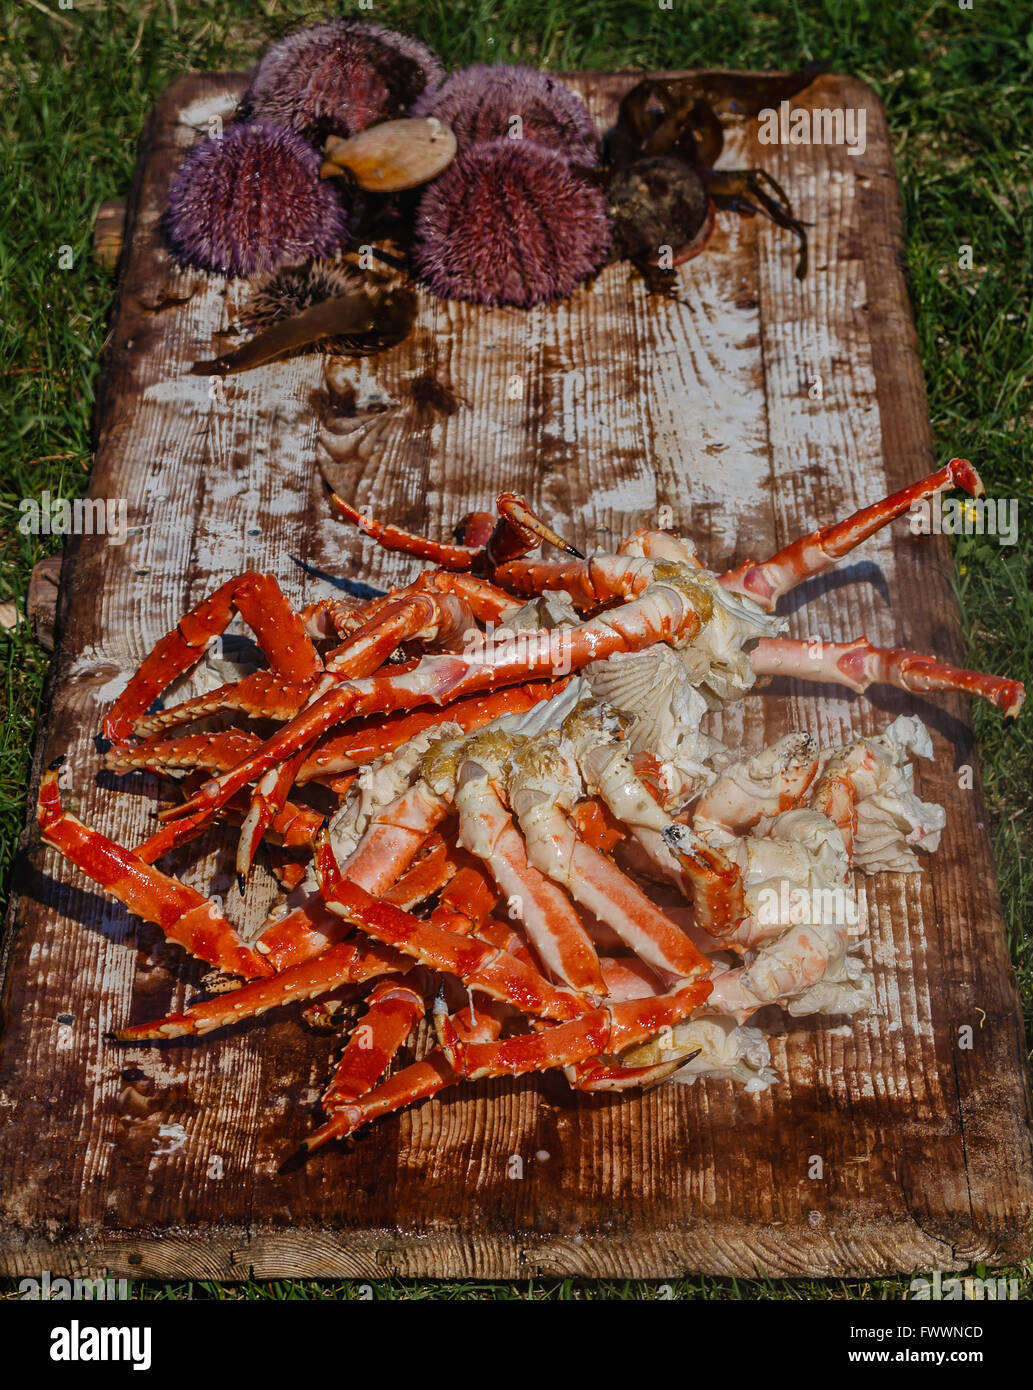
{"x": 957, "y": 85}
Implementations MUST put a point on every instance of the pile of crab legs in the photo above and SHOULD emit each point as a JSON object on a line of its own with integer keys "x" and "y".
{"x": 503, "y": 824}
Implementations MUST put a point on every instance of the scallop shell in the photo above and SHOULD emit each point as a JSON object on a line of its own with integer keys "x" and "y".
{"x": 392, "y": 156}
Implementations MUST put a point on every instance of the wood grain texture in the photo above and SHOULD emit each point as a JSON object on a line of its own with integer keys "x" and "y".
{"x": 603, "y": 410}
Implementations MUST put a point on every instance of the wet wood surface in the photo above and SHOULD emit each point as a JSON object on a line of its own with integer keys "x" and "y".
{"x": 749, "y": 409}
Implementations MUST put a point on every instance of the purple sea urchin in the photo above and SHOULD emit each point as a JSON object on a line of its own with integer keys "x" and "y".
{"x": 510, "y": 223}
{"x": 339, "y": 78}
{"x": 486, "y": 103}
{"x": 253, "y": 200}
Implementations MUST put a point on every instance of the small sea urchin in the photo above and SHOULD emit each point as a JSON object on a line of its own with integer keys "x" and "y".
{"x": 286, "y": 292}
{"x": 339, "y": 78}
{"x": 253, "y": 200}
{"x": 486, "y": 103}
{"x": 510, "y": 223}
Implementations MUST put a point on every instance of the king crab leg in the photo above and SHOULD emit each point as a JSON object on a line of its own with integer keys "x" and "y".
{"x": 392, "y": 1013}
{"x": 180, "y": 911}
{"x": 542, "y": 790}
{"x": 419, "y": 1081}
{"x": 858, "y": 664}
{"x": 766, "y": 582}
{"x": 602, "y": 1032}
{"x": 260, "y": 602}
{"x": 517, "y": 532}
{"x": 486, "y": 828}
{"x": 375, "y": 737}
{"x": 346, "y": 962}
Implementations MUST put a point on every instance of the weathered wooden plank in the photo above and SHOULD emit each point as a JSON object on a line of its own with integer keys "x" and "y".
{"x": 604, "y": 410}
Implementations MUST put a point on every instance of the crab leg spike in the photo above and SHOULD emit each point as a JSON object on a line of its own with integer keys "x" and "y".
{"x": 393, "y": 1012}
{"x": 179, "y": 910}
{"x": 766, "y": 582}
{"x": 260, "y": 602}
{"x": 341, "y": 964}
{"x": 858, "y": 665}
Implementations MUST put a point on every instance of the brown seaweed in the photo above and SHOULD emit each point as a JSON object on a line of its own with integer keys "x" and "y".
{"x": 364, "y": 325}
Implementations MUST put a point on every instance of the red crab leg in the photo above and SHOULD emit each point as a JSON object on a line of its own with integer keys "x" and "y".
{"x": 557, "y": 932}
{"x": 301, "y": 934}
{"x": 449, "y": 557}
{"x": 478, "y": 965}
{"x": 267, "y": 803}
{"x": 393, "y": 1012}
{"x": 391, "y": 842}
{"x": 295, "y": 825}
{"x": 394, "y": 837}
{"x": 180, "y": 911}
{"x": 602, "y": 1031}
{"x": 858, "y": 665}
{"x": 617, "y": 900}
{"x": 262, "y": 695}
{"x": 588, "y": 583}
{"x": 344, "y": 963}
{"x": 426, "y": 877}
{"x": 374, "y": 736}
{"x": 516, "y": 532}
{"x": 597, "y": 1076}
{"x": 408, "y": 616}
{"x": 766, "y": 582}
{"x": 260, "y": 602}
{"x": 469, "y": 898}
{"x": 487, "y": 602}
{"x": 666, "y": 612}
{"x": 210, "y": 752}
{"x": 417, "y": 1082}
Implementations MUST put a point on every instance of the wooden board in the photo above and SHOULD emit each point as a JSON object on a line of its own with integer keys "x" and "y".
{"x": 603, "y": 410}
